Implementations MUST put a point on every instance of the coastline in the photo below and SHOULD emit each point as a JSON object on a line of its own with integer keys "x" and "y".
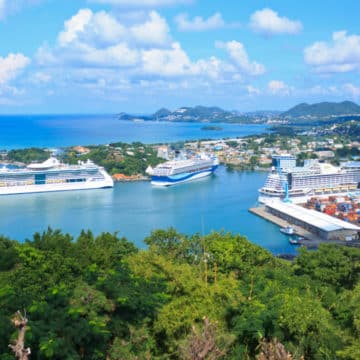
{"x": 129, "y": 178}
{"x": 41, "y": 131}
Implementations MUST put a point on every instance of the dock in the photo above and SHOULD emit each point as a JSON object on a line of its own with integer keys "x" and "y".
{"x": 310, "y": 239}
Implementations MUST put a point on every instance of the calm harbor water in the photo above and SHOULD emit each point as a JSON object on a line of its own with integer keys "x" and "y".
{"x": 220, "y": 202}
{"x": 68, "y": 130}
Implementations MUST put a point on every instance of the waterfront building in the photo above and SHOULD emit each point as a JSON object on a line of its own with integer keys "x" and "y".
{"x": 320, "y": 224}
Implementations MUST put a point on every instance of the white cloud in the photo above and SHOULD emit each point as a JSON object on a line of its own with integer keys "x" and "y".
{"x": 10, "y": 6}
{"x": 155, "y": 31}
{"x": 198, "y": 23}
{"x": 277, "y": 87}
{"x": 175, "y": 63}
{"x": 11, "y": 66}
{"x": 321, "y": 90}
{"x": 126, "y": 53}
{"x": 166, "y": 62}
{"x": 41, "y": 77}
{"x": 268, "y": 22}
{"x": 214, "y": 69}
{"x": 113, "y": 56}
{"x": 142, "y": 3}
{"x": 9, "y": 95}
{"x": 101, "y": 29}
{"x": 253, "y": 90}
{"x": 239, "y": 56}
{"x": 96, "y": 28}
{"x": 74, "y": 26}
{"x": 2, "y": 8}
{"x": 99, "y": 39}
{"x": 342, "y": 55}
{"x": 352, "y": 90}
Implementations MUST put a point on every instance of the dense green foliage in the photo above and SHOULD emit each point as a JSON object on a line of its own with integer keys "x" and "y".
{"x": 128, "y": 159}
{"x": 350, "y": 129}
{"x": 28, "y": 155}
{"x": 100, "y": 297}
{"x": 284, "y": 130}
{"x": 349, "y": 153}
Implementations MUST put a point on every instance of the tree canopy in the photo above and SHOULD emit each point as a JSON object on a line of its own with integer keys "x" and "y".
{"x": 184, "y": 297}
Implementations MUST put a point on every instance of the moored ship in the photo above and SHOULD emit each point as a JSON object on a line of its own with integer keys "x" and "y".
{"x": 313, "y": 179}
{"x": 179, "y": 171}
{"x": 51, "y": 175}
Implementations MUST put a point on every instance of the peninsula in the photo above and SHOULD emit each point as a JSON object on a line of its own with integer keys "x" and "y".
{"x": 325, "y": 112}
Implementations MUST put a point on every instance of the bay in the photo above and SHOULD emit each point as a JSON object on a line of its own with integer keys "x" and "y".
{"x": 20, "y": 131}
{"x": 219, "y": 202}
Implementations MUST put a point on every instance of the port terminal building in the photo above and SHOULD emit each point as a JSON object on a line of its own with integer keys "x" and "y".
{"x": 320, "y": 224}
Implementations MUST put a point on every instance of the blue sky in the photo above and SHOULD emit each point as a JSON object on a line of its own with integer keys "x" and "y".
{"x": 106, "y": 56}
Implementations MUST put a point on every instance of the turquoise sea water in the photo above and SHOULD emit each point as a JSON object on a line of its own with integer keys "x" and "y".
{"x": 67, "y": 130}
{"x": 219, "y": 202}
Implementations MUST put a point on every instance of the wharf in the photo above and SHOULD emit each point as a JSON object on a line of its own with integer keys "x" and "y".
{"x": 310, "y": 239}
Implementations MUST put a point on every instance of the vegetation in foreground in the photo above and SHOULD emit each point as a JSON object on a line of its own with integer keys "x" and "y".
{"x": 184, "y": 297}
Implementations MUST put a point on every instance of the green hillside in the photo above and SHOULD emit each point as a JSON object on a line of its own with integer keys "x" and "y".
{"x": 323, "y": 109}
{"x": 192, "y": 114}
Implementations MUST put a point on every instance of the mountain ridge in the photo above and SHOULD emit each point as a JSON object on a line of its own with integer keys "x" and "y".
{"x": 301, "y": 113}
{"x": 198, "y": 113}
{"x": 323, "y": 109}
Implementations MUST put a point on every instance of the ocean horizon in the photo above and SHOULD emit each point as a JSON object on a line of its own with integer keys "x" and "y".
{"x": 22, "y": 131}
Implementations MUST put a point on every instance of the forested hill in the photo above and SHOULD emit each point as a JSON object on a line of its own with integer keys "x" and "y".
{"x": 323, "y": 109}
{"x": 311, "y": 113}
{"x": 185, "y": 297}
{"x": 196, "y": 114}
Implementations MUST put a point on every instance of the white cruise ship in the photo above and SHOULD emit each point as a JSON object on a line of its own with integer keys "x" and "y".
{"x": 52, "y": 175}
{"x": 179, "y": 171}
{"x": 315, "y": 179}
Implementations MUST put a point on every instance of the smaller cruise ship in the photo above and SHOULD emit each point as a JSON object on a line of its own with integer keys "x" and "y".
{"x": 52, "y": 175}
{"x": 179, "y": 171}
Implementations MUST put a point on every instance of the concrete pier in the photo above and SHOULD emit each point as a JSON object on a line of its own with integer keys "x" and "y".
{"x": 311, "y": 240}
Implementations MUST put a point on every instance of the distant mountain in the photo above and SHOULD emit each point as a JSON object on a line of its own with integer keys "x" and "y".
{"x": 125, "y": 116}
{"x": 194, "y": 114}
{"x": 302, "y": 114}
{"x": 198, "y": 114}
{"x": 322, "y": 110}
{"x": 161, "y": 113}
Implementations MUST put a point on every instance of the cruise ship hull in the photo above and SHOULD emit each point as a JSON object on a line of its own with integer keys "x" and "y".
{"x": 299, "y": 199}
{"x": 181, "y": 178}
{"x": 91, "y": 183}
